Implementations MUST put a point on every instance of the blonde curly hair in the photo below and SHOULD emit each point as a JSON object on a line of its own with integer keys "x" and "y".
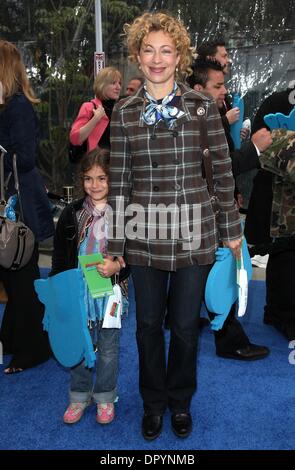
{"x": 148, "y": 22}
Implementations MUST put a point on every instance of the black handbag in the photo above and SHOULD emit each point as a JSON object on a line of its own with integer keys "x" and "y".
{"x": 17, "y": 241}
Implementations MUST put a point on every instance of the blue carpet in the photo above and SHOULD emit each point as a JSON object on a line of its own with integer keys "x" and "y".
{"x": 238, "y": 405}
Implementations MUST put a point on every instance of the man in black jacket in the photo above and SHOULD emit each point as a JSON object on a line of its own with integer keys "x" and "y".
{"x": 208, "y": 77}
{"x": 215, "y": 50}
{"x": 231, "y": 341}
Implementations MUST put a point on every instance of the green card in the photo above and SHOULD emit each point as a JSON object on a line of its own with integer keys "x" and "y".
{"x": 98, "y": 286}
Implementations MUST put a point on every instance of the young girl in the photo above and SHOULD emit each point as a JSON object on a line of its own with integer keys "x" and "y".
{"x": 81, "y": 230}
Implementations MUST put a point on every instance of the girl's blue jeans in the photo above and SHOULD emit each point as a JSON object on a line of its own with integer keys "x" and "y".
{"x": 104, "y": 388}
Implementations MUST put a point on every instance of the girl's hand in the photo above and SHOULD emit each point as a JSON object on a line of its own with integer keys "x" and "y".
{"x": 108, "y": 267}
{"x": 235, "y": 247}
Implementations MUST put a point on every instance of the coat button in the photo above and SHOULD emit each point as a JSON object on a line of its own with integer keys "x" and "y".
{"x": 206, "y": 152}
{"x": 156, "y": 188}
{"x": 155, "y": 165}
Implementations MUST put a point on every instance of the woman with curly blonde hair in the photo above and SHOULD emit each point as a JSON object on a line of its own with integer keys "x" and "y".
{"x": 156, "y": 165}
{"x": 142, "y": 26}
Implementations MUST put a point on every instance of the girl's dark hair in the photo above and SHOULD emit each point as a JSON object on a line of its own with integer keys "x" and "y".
{"x": 98, "y": 156}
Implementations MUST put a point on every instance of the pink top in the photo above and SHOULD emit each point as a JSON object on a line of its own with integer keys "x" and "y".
{"x": 84, "y": 115}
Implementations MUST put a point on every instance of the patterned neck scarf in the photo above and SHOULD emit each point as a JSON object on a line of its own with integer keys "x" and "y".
{"x": 91, "y": 226}
{"x": 155, "y": 112}
{"x": 94, "y": 229}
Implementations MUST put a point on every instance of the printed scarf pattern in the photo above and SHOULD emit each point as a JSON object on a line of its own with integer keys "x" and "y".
{"x": 155, "y": 111}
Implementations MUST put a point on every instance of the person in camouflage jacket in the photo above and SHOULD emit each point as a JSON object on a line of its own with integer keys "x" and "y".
{"x": 270, "y": 222}
{"x": 279, "y": 159}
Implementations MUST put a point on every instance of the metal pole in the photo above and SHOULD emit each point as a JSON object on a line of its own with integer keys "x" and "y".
{"x": 98, "y": 26}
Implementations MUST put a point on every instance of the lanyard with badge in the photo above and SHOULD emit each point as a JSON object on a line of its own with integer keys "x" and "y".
{"x": 113, "y": 311}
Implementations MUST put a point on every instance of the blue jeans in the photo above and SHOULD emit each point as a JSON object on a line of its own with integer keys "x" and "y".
{"x": 168, "y": 383}
{"x": 107, "y": 361}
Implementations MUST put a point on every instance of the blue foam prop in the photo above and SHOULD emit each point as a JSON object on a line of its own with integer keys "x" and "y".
{"x": 281, "y": 121}
{"x": 235, "y": 129}
{"x": 222, "y": 289}
{"x": 65, "y": 317}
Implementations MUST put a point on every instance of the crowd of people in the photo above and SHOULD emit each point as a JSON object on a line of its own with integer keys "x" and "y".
{"x": 147, "y": 151}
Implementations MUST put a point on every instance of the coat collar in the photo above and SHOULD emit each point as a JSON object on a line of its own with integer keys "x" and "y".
{"x": 187, "y": 94}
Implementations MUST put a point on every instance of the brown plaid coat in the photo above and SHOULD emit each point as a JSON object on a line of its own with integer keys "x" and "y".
{"x": 152, "y": 165}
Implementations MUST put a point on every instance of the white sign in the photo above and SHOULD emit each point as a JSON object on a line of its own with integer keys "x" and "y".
{"x": 99, "y": 62}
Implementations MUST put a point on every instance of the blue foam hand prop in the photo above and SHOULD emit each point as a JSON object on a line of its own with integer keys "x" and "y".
{"x": 222, "y": 253}
{"x": 222, "y": 289}
{"x": 281, "y": 121}
{"x": 217, "y": 322}
{"x": 235, "y": 129}
{"x": 65, "y": 317}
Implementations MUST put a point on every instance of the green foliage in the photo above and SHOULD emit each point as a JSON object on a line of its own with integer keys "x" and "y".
{"x": 114, "y": 15}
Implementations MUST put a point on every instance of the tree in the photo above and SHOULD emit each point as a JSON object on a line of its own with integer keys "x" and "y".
{"x": 114, "y": 15}
{"x": 58, "y": 47}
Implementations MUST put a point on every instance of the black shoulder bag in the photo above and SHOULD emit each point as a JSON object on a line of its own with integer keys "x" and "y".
{"x": 207, "y": 171}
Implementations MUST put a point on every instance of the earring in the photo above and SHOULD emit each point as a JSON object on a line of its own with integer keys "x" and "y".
{"x": 176, "y": 70}
{"x": 139, "y": 66}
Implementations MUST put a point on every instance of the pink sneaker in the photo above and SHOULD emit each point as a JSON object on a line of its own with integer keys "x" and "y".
{"x": 105, "y": 413}
{"x": 74, "y": 412}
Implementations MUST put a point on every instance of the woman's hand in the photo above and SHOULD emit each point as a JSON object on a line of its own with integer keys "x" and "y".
{"x": 120, "y": 259}
{"x": 234, "y": 246}
{"x": 98, "y": 113}
{"x": 108, "y": 267}
{"x": 86, "y": 130}
{"x": 1, "y": 93}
